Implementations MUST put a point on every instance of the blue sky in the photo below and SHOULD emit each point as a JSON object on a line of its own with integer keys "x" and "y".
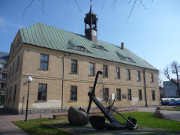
{"x": 152, "y": 33}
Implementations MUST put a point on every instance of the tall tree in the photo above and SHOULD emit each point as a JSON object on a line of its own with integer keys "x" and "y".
{"x": 173, "y": 69}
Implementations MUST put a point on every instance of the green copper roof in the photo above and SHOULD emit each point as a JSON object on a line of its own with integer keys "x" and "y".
{"x": 57, "y": 39}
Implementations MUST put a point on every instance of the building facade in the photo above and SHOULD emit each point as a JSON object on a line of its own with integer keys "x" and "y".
{"x": 3, "y": 75}
{"x": 63, "y": 66}
{"x": 170, "y": 90}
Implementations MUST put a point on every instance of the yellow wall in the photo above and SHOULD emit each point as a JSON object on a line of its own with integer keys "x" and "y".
{"x": 30, "y": 66}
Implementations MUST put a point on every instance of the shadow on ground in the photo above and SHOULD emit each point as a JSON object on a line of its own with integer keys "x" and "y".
{"x": 3, "y": 111}
{"x": 63, "y": 125}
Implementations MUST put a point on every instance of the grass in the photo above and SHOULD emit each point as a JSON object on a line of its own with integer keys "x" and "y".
{"x": 34, "y": 127}
{"x": 148, "y": 120}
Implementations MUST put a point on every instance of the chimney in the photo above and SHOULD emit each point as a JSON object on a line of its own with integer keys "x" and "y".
{"x": 122, "y": 45}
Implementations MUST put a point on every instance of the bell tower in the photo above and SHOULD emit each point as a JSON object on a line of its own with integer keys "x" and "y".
{"x": 91, "y": 25}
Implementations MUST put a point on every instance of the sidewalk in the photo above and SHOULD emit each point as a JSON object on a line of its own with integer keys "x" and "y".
{"x": 9, "y": 128}
{"x": 169, "y": 115}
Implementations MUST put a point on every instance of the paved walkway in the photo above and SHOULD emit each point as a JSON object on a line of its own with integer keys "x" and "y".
{"x": 169, "y": 115}
{"x": 8, "y": 128}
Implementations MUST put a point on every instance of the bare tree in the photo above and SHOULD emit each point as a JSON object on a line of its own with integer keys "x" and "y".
{"x": 173, "y": 69}
{"x": 114, "y": 3}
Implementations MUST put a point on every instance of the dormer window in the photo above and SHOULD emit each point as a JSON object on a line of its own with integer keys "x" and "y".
{"x": 73, "y": 44}
{"x": 98, "y": 47}
{"x": 121, "y": 57}
{"x": 129, "y": 59}
{"x": 80, "y": 48}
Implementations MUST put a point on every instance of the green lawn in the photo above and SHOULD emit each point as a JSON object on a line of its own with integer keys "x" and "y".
{"x": 147, "y": 119}
{"x": 34, "y": 127}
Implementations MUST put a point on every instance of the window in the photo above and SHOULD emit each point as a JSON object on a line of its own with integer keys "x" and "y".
{"x": 151, "y": 77}
{"x": 73, "y": 93}
{"x": 138, "y": 76}
{"x": 105, "y": 71}
{"x": 140, "y": 94}
{"x": 9, "y": 73}
{"x": 117, "y": 73}
{"x": 129, "y": 59}
{"x": 13, "y": 69}
{"x": 80, "y": 48}
{"x": 90, "y": 89}
{"x": 74, "y": 66}
{"x": 17, "y": 66}
{"x": 118, "y": 91}
{"x": 15, "y": 92}
{"x": 128, "y": 75}
{"x": 91, "y": 68}
{"x": 44, "y": 62}
{"x": 100, "y": 47}
{"x": 153, "y": 94}
{"x": 42, "y": 92}
{"x": 106, "y": 94}
{"x": 129, "y": 94}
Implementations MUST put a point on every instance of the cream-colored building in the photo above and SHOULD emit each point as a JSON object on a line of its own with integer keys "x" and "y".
{"x": 63, "y": 66}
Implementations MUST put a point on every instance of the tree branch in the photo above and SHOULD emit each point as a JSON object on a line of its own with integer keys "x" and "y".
{"x": 31, "y": 2}
{"x": 175, "y": 69}
{"x": 78, "y": 5}
{"x": 131, "y": 10}
{"x": 141, "y": 2}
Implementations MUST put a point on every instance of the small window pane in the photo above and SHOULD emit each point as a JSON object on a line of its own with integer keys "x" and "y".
{"x": 138, "y": 75}
{"x": 117, "y": 73}
{"x": 105, "y": 71}
{"x": 91, "y": 68}
{"x": 42, "y": 92}
{"x": 39, "y": 95}
{"x": 118, "y": 94}
{"x": 73, "y": 93}
{"x": 90, "y": 89}
{"x": 46, "y": 58}
{"x": 106, "y": 94}
{"x": 128, "y": 77}
{"x": 153, "y": 95}
{"x": 140, "y": 94}
{"x": 74, "y": 66}
{"x": 44, "y": 62}
{"x": 151, "y": 77}
{"x": 129, "y": 94}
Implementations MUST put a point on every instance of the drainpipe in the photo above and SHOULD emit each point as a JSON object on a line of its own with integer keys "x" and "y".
{"x": 62, "y": 80}
{"x": 145, "y": 95}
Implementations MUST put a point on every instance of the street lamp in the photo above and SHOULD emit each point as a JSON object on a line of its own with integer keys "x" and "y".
{"x": 29, "y": 79}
